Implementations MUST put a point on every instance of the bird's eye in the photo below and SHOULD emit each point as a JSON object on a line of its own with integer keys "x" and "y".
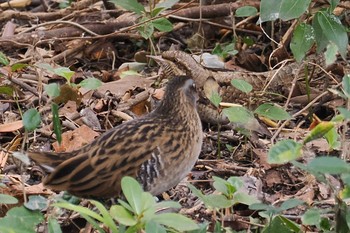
{"x": 194, "y": 85}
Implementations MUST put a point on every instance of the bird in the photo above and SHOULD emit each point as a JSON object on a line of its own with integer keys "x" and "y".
{"x": 158, "y": 149}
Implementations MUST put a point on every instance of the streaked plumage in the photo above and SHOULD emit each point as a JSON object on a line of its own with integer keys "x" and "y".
{"x": 158, "y": 149}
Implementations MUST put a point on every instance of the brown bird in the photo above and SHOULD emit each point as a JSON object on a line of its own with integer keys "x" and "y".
{"x": 158, "y": 149}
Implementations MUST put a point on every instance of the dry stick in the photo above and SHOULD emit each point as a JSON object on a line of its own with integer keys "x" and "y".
{"x": 29, "y": 88}
{"x": 298, "y": 113}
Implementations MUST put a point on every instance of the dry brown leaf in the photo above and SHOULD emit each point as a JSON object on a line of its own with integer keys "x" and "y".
{"x": 10, "y": 127}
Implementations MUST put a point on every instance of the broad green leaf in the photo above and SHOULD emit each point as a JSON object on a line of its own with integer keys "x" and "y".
{"x": 153, "y": 227}
{"x": 319, "y": 131}
{"x": 123, "y": 216}
{"x": 244, "y": 198}
{"x": 146, "y": 30}
{"x": 273, "y": 112}
{"x": 107, "y": 218}
{"x": 132, "y": 192}
{"x": 36, "y": 202}
{"x": 53, "y": 226}
{"x": 330, "y": 27}
{"x": 311, "y": 217}
{"x": 282, "y": 9}
{"x": 329, "y": 165}
{"x": 64, "y": 72}
{"x": 221, "y": 185}
{"x": 238, "y": 114}
{"x": 284, "y": 151}
{"x": 291, "y": 203}
{"x": 246, "y": 11}
{"x": 242, "y": 85}
{"x": 162, "y": 24}
{"x": 90, "y": 83}
{"x": 20, "y": 219}
{"x": 18, "y": 66}
{"x": 3, "y": 59}
{"x": 217, "y": 201}
{"x": 302, "y": 40}
{"x": 332, "y": 138}
{"x": 331, "y": 53}
{"x": 31, "y": 119}
{"x": 333, "y": 3}
{"x": 52, "y": 90}
{"x": 281, "y": 224}
{"x": 7, "y": 199}
{"x": 176, "y": 221}
{"x": 346, "y": 85}
{"x": 130, "y": 5}
{"x": 80, "y": 209}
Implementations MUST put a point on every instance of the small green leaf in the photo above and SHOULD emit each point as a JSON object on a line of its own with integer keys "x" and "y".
{"x": 53, "y": 226}
{"x": 242, "y": 85}
{"x": 282, "y": 9}
{"x": 284, "y": 151}
{"x": 217, "y": 201}
{"x": 290, "y": 203}
{"x": 319, "y": 131}
{"x": 31, "y": 119}
{"x": 281, "y": 224}
{"x": 346, "y": 85}
{"x": 18, "y": 66}
{"x": 123, "y": 216}
{"x": 90, "y": 83}
{"x": 36, "y": 202}
{"x": 132, "y": 192}
{"x": 3, "y": 59}
{"x": 146, "y": 30}
{"x": 273, "y": 112}
{"x": 64, "y": 72}
{"x": 329, "y": 165}
{"x": 153, "y": 227}
{"x": 344, "y": 112}
{"x": 56, "y": 122}
{"x": 311, "y": 217}
{"x": 332, "y": 138}
{"x": 163, "y": 25}
{"x": 246, "y": 11}
{"x": 244, "y": 198}
{"x": 130, "y": 5}
{"x": 238, "y": 114}
{"x": 7, "y": 90}
{"x": 7, "y": 199}
{"x": 331, "y": 53}
{"x": 52, "y": 90}
{"x": 45, "y": 66}
{"x": 176, "y": 221}
{"x": 215, "y": 98}
{"x": 80, "y": 209}
{"x": 302, "y": 40}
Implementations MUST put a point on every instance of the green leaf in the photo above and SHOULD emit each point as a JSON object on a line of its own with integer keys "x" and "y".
{"x": 344, "y": 112}
{"x": 3, "y": 59}
{"x": 90, "y": 83}
{"x": 281, "y": 224}
{"x": 244, "y": 198}
{"x": 7, "y": 90}
{"x": 56, "y": 122}
{"x": 221, "y": 185}
{"x": 215, "y": 98}
{"x": 167, "y": 204}
{"x": 302, "y": 40}
{"x": 246, "y": 11}
{"x": 52, "y": 90}
{"x": 217, "y": 201}
{"x": 107, "y": 218}
{"x": 238, "y": 114}
{"x": 153, "y": 227}
{"x": 334, "y": 4}
{"x": 18, "y": 66}
{"x": 36, "y": 202}
{"x": 332, "y": 138}
{"x": 328, "y": 28}
{"x": 283, "y": 9}
{"x": 80, "y": 209}
{"x": 31, "y": 119}
{"x": 7, "y": 199}
{"x": 123, "y": 216}
{"x": 284, "y": 151}
{"x": 273, "y": 112}
{"x": 331, "y": 53}
{"x": 163, "y": 25}
{"x": 291, "y": 203}
{"x": 64, "y": 72}
{"x": 45, "y": 66}
{"x": 319, "y": 131}
{"x": 146, "y": 30}
{"x": 311, "y": 217}
{"x": 242, "y": 85}
{"x": 346, "y": 85}
{"x": 20, "y": 219}
{"x": 329, "y": 165}
{"x": 176, "y": 221}
{"x": 53, "y": 226}
{"x": 130, "y": 5}
{"x": 132, "y": 192}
